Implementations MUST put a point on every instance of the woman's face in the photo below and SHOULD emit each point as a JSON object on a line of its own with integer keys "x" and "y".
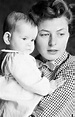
{"x": 52, "y": 38}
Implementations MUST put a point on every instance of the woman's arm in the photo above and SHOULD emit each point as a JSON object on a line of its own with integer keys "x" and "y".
{"x": 12, "y": 91}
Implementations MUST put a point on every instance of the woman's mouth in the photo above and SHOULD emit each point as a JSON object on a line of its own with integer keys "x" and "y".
{"x": 53, "y": 52}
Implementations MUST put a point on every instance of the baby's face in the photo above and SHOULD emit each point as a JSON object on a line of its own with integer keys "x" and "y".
{"x": 23, "y": 37}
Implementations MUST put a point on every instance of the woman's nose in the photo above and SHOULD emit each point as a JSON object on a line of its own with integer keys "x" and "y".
{"x": 52, "y": 40}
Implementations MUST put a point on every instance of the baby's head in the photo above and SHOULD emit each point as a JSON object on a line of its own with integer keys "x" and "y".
{"x": 19, "y": 32}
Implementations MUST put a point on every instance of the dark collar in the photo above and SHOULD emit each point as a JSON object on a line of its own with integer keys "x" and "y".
{"x": 51, "y": 65}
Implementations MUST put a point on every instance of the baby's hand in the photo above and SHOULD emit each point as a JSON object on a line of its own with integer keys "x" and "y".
{"x": 54, "y": 84}
{"x": 59, "y": 82}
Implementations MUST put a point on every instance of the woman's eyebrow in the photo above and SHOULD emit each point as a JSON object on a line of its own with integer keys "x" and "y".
{"x": 43, "y": 30}
{"x": 61, "y": 29}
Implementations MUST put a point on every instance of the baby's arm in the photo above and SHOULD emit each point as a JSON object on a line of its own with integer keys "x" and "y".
{"x": 13, "y": 91}
{"x": 27, "y": 75}
{"x": 52, "y": 85}
{"x": 34, "y": 82}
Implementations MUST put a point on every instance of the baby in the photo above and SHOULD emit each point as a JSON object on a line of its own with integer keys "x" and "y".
{"x": 23, "y": 85}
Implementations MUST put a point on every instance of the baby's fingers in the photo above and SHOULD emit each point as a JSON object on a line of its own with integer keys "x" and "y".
{"x": 60, "y": 82}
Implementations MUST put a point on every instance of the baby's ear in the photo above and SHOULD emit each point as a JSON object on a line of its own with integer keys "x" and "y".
{"x": 7, "y": 38}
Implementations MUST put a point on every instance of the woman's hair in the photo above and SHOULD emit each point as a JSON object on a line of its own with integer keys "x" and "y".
{"x": 49, "y": 9}
{"x": 11, "y": 20}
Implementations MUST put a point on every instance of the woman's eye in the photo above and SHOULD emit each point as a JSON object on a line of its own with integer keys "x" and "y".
{"x": 44, "y": 34}
{"x": 61, "y": 34}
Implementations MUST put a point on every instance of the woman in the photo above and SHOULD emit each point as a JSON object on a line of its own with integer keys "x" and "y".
{"x": 19, "y": 69}
{"x": 53, "y": 19}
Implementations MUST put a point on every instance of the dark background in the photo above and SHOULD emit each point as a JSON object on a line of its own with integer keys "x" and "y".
{"x": 7, "y": 6}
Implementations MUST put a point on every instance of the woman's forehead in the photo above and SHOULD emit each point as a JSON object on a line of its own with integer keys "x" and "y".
{"x": 53, "y": 24}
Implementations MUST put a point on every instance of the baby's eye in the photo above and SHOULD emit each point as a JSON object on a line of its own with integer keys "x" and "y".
{"x": 32, "y": 39}
{"x": 24, "y": 38}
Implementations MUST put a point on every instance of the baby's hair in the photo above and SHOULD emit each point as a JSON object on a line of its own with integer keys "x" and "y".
{"x": 11, "y": 20}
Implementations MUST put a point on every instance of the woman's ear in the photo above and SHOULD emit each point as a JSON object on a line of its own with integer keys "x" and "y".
{"x": 7, "y": 38}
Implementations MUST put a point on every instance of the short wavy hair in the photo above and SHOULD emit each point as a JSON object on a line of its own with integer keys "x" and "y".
{"x": 49, "y": 9}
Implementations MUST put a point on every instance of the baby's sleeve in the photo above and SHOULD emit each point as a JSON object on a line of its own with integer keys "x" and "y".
{"x": 23, "y": 68}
